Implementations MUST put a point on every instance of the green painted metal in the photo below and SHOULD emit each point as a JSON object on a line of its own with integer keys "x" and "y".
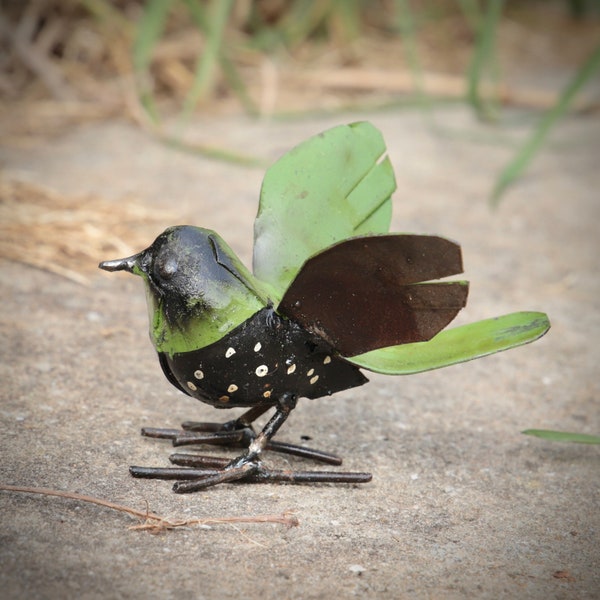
{"x": 335, "y": 185}
{"x": 456, "y": 345}
{"x": 224, "y": 300}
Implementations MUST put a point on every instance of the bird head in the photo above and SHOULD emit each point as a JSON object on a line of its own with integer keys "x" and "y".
{"x": 197, "y": 289}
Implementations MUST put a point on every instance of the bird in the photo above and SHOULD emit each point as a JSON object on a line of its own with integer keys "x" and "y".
{"x": 332, "y": 293}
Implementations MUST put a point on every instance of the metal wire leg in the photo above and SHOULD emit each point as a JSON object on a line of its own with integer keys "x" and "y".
{"x": 196, "y": 472}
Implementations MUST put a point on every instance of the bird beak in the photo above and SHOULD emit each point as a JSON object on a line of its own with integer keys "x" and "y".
{"x": 122, "y": 264}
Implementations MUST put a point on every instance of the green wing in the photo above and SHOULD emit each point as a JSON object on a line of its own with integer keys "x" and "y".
{"x": 333, "y": 186}
{"x": 457, "y": 345}
{"x": 338, "y": 185}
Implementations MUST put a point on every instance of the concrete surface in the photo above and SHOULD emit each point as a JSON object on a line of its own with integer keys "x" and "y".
{"x": 461, "y": 504}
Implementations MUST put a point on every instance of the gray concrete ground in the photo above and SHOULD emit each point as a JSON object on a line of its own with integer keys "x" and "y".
{"x": 461, "y": 504}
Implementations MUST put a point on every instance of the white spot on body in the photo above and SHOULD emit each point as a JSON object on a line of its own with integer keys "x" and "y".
{"x": 191, "y": 386}
{"x": 310, "y": 373}
{"x": 314, "y": 379}
{"x": 327, "y": 360}
{"x": 262, "y": 370}
{"x": 291, "y": 369}
{"x": 257, "y": 347}
{"x": 230, "y": 352}
{"x": 267, "y": 394}
{"x": 198, "y": 374}
{"x": 232, "y": 388}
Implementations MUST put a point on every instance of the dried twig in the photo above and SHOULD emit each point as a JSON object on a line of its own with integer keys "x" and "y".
{"x": 434, "y": 84}
{"x": 153, "y": 522}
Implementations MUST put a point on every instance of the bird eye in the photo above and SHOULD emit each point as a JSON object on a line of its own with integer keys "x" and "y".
{"x": 166, "y": 267}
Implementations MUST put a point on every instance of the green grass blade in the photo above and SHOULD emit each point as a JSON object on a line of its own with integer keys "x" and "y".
{"x": 525, "y": 154}
{"x": 206, "y": 67}
{"x": 213, "y": 152}
{"x": 302, "y": 19}
{"x": 238, "y": 86}
{"x": 149, "y": 30}
{"x": 563, "y": 436}
{"x": 482, "y": 57}
{"x": 405, "y": 23}
{"x": 229, "y": 70}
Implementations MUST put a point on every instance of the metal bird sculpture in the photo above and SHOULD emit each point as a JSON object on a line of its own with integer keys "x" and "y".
{"x": 331, "y": 292}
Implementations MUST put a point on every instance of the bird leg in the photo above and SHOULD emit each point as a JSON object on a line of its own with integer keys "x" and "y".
{"x": 248, "y": 463}
{"x": 200, "y": 472}
{"x": 237, "y": 433}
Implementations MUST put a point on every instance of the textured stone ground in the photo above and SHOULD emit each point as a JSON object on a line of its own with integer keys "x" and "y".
{"x": 461, "y": 504}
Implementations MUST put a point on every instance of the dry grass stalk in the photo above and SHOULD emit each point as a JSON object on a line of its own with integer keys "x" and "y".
{"x": 438, "y": 85}
{"x": 52, "y": 50}
{"x": 67, "y": 236}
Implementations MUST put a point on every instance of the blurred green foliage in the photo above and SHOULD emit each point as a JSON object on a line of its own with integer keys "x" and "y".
{"x": 272, "y": 26}
{"x": 563, "y": 436}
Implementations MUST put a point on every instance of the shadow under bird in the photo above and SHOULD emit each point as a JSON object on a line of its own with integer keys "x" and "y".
{"x": 332, "y": 293}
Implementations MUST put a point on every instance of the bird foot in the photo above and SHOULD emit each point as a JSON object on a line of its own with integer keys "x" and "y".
{"x": 196, "y": 472}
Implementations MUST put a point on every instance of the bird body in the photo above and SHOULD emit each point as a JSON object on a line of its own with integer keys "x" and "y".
{"x": 259, "y": 362}
{"x": 220, "y": 340}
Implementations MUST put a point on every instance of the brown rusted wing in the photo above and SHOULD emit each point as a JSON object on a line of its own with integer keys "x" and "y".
{"x": 366, "y": 293}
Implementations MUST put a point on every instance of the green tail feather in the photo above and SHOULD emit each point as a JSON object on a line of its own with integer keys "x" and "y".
{"x": 457, "y": 345}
